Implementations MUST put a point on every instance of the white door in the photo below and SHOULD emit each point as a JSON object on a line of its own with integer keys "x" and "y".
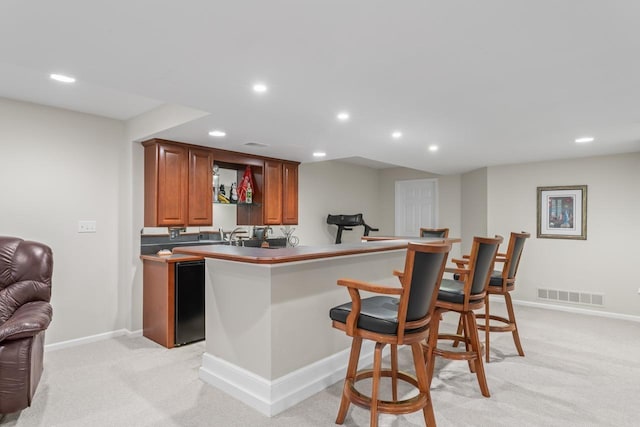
{"x": 416, "y": 204}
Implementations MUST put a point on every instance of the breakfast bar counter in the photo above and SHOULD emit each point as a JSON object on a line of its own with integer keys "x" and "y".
{"x": 276, "y": 255}
{"x": 269, "y": 340}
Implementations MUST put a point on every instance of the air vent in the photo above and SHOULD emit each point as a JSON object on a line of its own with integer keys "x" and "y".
{"x": 255, "y": 144}
{"x": 571, "y": 297}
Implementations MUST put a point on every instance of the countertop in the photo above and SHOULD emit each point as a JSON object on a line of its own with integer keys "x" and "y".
{"x": 412, "y": 239}
{"x": 171, "y": 258}
{"x": 298, "y": 253}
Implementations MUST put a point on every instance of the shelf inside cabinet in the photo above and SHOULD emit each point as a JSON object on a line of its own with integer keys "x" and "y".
{"x": 238, "y": 204}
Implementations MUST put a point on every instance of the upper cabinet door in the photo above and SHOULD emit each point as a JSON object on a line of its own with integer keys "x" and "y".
{"x": 290, "y": 193}
{"x": 171, "y": 185}
{"x": 272, "y": 197}
{"x": 200, "y": 187}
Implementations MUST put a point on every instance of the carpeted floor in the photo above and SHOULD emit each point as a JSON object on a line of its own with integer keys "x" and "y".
{"x": 578, "y": 371}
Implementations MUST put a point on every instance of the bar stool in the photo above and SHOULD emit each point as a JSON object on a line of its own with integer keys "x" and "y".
{"x": 387, "y": 319}
{"x": 434, "y": 232}
{"x": 463, "y": 296}
{"x": 502, "y": 283}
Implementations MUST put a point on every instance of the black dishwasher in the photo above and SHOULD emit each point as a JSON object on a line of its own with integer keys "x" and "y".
{"x": 189, "y": 295}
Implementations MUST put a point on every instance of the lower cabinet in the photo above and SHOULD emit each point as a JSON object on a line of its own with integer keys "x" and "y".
{"x": 173, "y": 299}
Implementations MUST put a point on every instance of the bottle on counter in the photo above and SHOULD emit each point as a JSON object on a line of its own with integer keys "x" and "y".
{"x": 234, "y": 193}
{"x": 249, "y": 196}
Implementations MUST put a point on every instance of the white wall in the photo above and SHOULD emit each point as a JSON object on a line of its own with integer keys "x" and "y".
{"x": 474, "y": 207}
{"x": 449, "y": 198}
{"x": 332, "y": 187}
{"x": 59, "y": 167}
{"x": 338, "y": 187}
{"x": 606, "y": 261}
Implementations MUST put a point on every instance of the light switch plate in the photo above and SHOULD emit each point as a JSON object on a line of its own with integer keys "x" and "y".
{"x": 86, "y": 226}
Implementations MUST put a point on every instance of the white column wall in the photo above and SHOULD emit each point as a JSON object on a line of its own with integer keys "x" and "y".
{"x": 473, "y": 207}
{"x": 59, "y": 167}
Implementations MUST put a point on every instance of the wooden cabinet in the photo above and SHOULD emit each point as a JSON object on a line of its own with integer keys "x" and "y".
{"x": 200, "y": 187}
{"x": 177, "y": 185}
{"x": 165, "y": 185}
{"x": 159, "y": 297}
{"x": 280, "y": 192}
{"x": 158, "y": 301}
{"x": 272, "y": 192}
{"x": 289, "y": 193}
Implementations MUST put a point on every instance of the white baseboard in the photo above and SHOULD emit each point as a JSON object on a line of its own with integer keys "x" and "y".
{"x": 273, "y": 397}
{"x": 91, "y": 338}
{"x": 578, "y": 310}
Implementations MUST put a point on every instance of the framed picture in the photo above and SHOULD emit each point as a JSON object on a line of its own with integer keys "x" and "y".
{"x": 562, "y": 212}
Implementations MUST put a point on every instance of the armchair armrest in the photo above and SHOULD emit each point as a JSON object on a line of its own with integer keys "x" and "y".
{"x": 460, "y": 271}
{"x": 461, "y": 265}
{"x": 370, "y": 287}
{"x": 354, "y": 287}
{"x": 399, "y": 274}
{"x": 28, "y": 320}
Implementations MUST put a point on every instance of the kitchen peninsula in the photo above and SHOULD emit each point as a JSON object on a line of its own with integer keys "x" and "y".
{"x": 269, "y": 341}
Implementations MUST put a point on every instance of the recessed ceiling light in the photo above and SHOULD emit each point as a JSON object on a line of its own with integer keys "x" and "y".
{"x": 255, "y": 144}
{"x": 396, "y": 134}
{"x": 433, "y": 148}
{"x": 584, "y": 139}
{"x": 218, "y": 133}
{"x": 260, "y": 88}
{"x": 319, "y": 154}
{"x": 62, "y": 78}
{"x": 343, "y": 116}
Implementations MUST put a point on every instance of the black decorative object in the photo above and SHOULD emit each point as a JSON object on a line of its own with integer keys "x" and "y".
{"x": 346, "y": 222}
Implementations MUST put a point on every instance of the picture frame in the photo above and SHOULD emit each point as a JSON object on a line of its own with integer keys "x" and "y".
{"x": 562, "y": 212}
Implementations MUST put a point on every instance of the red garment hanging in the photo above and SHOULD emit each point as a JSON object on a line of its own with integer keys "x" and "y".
{"x": 247, "y": 180}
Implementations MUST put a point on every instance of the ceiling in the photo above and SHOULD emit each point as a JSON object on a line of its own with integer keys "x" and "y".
{"x": 489, "y": 83}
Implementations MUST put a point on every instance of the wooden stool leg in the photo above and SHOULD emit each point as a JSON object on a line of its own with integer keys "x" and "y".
{"x": 375, "y": 387}
{"x": 475, "y": 345}
{"x": 394, "y": 372}
{"x": 432, "y": 344}
{"x": 352, "y": 368}
{"x": 423, "y": 383}
{"x": 486, "y": 326}
{"x": 467, "y": 329}
{"x": 458, "y": 331}
{"x": 512, "y": 320}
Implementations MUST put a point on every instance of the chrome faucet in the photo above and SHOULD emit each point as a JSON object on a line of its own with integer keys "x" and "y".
{"x": 265, "y": 233}
{"x": 233, "y": 233}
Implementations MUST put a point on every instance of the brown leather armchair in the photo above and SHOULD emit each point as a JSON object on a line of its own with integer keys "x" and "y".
{"x": 25, "y": 314}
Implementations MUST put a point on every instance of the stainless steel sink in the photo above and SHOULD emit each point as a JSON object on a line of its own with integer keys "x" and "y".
{"x": 274, "y": 243}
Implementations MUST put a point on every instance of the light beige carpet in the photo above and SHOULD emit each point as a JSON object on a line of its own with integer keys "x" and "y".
{"x": 578, "y": 371}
